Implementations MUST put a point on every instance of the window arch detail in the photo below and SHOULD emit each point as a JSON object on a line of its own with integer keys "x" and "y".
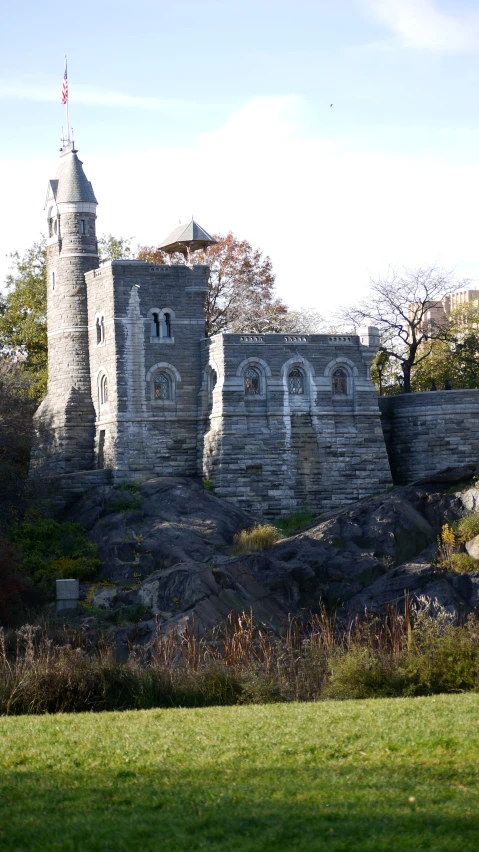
{"x": 161, "y": 325}
{"x": 252, "y": 381}
{"x": 162, "y": 387}
{"x": 103, "y": 389}
{"x": 163, "y": 380}
{"x": 339, "y": 382}
{"x": 296, "y": 381}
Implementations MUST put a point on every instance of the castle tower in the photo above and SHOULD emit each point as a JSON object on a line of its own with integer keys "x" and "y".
{"x": 64, "y": 423}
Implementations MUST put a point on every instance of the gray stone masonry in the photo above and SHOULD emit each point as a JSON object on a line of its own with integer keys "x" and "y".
{"x": 428, "y": 431}
{"x": 275, "y": 451}
{"x": 276, "y": 422}
{"x": 136, "y": 433}
{"x": 65, "y": 421}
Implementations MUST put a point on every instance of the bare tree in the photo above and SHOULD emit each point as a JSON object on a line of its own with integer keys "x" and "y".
{"x": 407, "y": 308}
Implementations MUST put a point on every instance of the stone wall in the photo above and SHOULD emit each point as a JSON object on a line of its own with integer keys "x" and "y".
{"x": 428, "y": 431}
{"x": 64, "y": 422}
{"x": 275, "y": 451}
{"x": 135, "y": 432}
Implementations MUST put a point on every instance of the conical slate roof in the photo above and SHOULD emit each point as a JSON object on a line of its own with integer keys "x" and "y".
{"x": 184, "y": 238}
{"x": 71, "y": 182}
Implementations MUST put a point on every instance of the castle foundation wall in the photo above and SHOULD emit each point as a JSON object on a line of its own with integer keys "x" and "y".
{"x": 426, "y": 432}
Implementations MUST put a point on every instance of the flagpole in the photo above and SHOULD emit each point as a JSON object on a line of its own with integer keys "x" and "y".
{"x": 66, "y": 105}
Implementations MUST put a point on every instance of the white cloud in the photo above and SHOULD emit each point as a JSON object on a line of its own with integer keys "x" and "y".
{"x": 327, "y": 216}
{"x": 50, "y": 92}
{"x": 419, "y": 24}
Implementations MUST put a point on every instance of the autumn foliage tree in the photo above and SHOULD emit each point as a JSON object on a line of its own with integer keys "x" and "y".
{"x": 241, "y": 294}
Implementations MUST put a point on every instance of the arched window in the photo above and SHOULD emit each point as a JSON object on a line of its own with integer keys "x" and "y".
{"x": 340, "y": 381}
{"x": 103, "y": 389}
{"x": 296, "y": 381}
{"x": 155, "y": 325}
{"x": 166, "y": 325}
{"x": 252, "y": 381}
{"x": 162, "y": 386}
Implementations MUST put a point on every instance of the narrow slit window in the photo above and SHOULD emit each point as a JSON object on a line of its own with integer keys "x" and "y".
{"x": 162, "y": 387}
{"x": 53, "y": 280}
{"x": 102, "y": 330}
{"x": 340, "y": 382}
{"x": 82, "y": 226}
{"x": 98, "y": 331}
{"x": 296, "y": 382}
{"x": 251, "y": 382}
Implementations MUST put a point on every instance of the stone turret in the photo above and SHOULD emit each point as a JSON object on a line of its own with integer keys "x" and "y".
{"x": 65, "y": 420}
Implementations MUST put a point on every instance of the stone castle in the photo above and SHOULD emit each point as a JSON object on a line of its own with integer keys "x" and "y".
{"x": 274, "y": 422}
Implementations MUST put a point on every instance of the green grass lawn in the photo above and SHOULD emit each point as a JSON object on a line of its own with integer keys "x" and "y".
{"x": 364, "y": 775}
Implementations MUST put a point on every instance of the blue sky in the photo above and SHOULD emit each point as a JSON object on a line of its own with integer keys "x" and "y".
{"x": 221, "y": 109}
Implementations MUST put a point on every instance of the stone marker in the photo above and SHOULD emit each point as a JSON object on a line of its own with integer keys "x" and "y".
{"x": 68, "y": 595}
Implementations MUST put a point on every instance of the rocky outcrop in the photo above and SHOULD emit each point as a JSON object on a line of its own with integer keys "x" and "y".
{"x": 167, "y": 549}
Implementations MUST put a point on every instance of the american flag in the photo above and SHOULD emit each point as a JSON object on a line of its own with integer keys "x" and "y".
{"x": 65, "y": 86}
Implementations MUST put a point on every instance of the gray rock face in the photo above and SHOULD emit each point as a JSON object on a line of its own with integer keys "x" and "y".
{"x": 472, "y": 547}
{"x": 175, "y": 541}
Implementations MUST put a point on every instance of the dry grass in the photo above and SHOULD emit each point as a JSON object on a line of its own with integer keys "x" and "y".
{"x": 260, "y": 537}
{"x": 419, "y": 652}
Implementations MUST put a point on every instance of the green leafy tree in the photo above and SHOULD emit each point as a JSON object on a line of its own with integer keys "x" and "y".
{"x": 23, "y": 322}
{"x": 115, "y": 248}
{"x": 455, "y": 360}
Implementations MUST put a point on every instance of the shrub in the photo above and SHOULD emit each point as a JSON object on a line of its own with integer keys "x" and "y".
{"x": 132, "y": 487}
{"x": 128, "y": 503}
{"x": 462, "y": 563}
{"x": 468, "y": 527}
{"x": 50, "y": 549}
{"x": 260, "y": 537}
{"x": 421, "y": 652}
{"x": 16, "y": 589}
{"x": 294, "y": 522}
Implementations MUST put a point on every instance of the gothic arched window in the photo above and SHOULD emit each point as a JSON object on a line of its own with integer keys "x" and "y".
{"x": 166, "y": 325}
{"x": 103, "y": 388}
{"x": 155, "y": 325}
{"x": 162, "y": 386}
{"x": 296, "y": 381}
{"x": 340, "y": 381}
{"x": 252, "y": 381}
